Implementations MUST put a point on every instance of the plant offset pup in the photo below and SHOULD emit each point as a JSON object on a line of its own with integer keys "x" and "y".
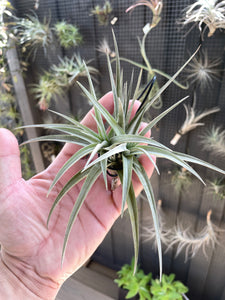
{"x": 118, "y": 148}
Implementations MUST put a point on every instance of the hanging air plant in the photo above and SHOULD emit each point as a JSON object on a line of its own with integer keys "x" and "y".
{"x": 118, "y": 146}
{"x": 185, "y": 240}
{"x": 67, "y": 34}
{"x": 210, "y": 12}
{"x": 32, "y": 34}
{"x": 149, "y": 233}
{"x": 214, "y": 141}
{"x": 181, "y": 179}
{"x": 192, "y": 121}
{"x": 103, "y": 13}
{"x": 202, "y": 71}
{"x": 156, "y": 8}
{"x": 216, "y": 187}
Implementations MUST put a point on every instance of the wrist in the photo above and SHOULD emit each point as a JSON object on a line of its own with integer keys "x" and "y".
{"x": 17, "y": 280}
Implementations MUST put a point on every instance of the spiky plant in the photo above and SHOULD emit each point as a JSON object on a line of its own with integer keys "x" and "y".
{"x": 103, "y": 13}
{"x": 46, "y": 89}
{"x": 216, "y": 187}
{"x": 192, "y": 121}
{"x": 203, "y": 71}
{"x": 68, "y": 34}
{"x": 118, "y": 147}
{"x": 33, "y": 34}
{"x": 68, "y": 70}
{"x": 192, "y": 243}
{"x": 214, "y": 141}
{"x": 208, "y": 12}
{"x": 181, "y": 179}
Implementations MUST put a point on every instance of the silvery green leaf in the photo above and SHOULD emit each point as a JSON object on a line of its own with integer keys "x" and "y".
{"x": 198, "y": 161}
{"x": 58, "y": 138}
{"x": 101, "y": 127}
{"x": 140, "y": 150}
{"x": 127, "y": 177}
{"x": 69, "y": 185}
{"x": 140, "y": 171}
{"x": 70, "y": 162}
{"x": 78, "y": 124}
{"x": 111, "y": 121}
{"x": 159, "y": 117}
{"x": 97, "y": 148}
{"x": 92, "y": 176}
{"x": 113, "y": 151}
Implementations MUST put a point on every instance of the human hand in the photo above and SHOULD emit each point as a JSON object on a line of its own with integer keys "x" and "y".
{"x": 31, "y": 252}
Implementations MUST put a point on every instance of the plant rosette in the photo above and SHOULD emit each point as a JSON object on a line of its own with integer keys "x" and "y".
{"x": 115, "y": 148}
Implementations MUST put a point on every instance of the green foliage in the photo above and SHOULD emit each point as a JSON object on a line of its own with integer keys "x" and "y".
{"x": 148, "y": 288}
{"x": 67, "y": 34}
{"x": 59, "y": 78}
{"x": 103, "y": 13}
{"x": 33, "y": 34}
{"x": 119, "y": 144}
{"x": 136, "y": 284}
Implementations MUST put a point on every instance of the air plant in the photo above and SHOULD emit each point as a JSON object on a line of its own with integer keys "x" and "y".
{"x": 214, "y": 140}
{"x": 192, "y": 121}
{"x": 216, "y": 187}
{"x": 105, "y": 49}
{"x": 181, "y": 179}
{"x": 156, "y": 8}
{"x": 68, "y": 70}
{"x": 46, "y": 89}
{"x": 33, "y": 34}
{"x": 103, "y": 13}
{"x": 68, "y": 34}
{"x": 210, "y": 13}
{"x": 149, "y": 232}
{"x": 59, "y": 79}
{"x": 202, "y": 71}
{"x": 206, "y": 238}
{"x": 118, "y": 146}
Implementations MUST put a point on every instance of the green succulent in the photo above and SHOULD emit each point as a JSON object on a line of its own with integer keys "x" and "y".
{"x": 118, "y": 147}
{"x": 68, "y": 34}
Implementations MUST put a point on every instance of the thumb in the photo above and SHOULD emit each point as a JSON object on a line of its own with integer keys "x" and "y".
{"x": 10, "y": 166}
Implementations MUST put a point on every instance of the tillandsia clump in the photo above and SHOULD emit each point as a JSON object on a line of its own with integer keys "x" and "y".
{"x": 211, "y": 13}
{"x": 192, "y": 243}
{"x": 68, "y": 34}
{"x": 202, "y": 71}
{"x": 181, "y": 179}
{"x": 216, "y": 187}
{"x": 118, "y": 146}
{"x": 59, "y": 78}
{"x": 103, "y": 13}
{"x": 32, "y": 34}
{"x": 213, "y": 140}
{"x": 192, "y": 120}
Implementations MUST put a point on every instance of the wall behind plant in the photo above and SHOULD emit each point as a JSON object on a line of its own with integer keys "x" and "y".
{"x": 167, "y": 46}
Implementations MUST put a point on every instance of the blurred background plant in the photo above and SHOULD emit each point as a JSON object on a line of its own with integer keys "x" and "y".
{"x": 32, "y": 34}
{"x": 59, "y": 79}
{"x": 207, "y": 14}
{"x": 103, "y": 13}
{"x": 180, "y": 179}
{"x": 147, "y": 288}
{"x": 67, "y": 34}
{"x": 213, "y": 140}
{"x": 216, "y": 187}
